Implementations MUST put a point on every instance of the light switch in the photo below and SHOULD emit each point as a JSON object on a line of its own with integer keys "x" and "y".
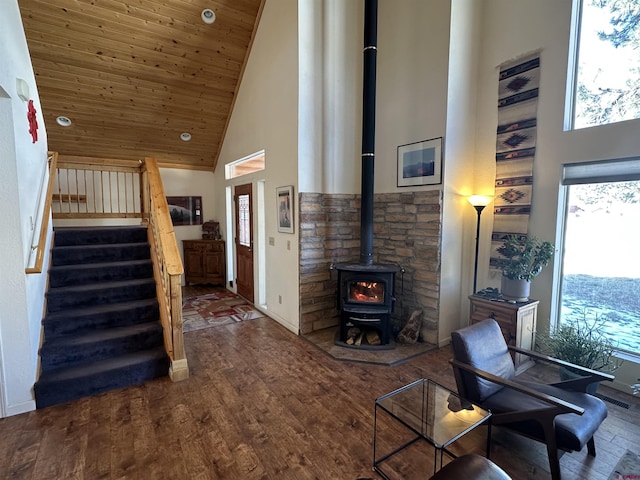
{"x": 22, "y": 88}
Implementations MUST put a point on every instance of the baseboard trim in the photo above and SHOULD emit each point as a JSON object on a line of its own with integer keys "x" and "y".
{"x": 23, "y": 407}
{"x": 286, "y": 324}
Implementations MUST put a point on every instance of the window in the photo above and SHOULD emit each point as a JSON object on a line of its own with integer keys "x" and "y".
{"x": 600, "y": 274}
{"x": 604, "y": 75}
{"x": 244, "y": 217}
{"x": 244, "y": 166}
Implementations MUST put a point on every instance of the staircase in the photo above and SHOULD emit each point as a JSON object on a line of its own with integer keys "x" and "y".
{"x": 102, "y": 328}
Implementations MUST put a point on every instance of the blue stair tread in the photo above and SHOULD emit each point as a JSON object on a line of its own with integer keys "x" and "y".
{"x": 101, "y": 367}
{"x": 67, "y": 236}
{"x": 102, "y": 335}
{"x": 61, "y": 248}
{"x": 100, "y": 229}
{"x": 102, "y": 328}
{"x": 97, "y": 309}
{"x": 70, "y": 289}
{"x": 104, "y": 265}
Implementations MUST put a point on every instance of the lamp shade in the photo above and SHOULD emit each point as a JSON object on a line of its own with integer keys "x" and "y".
{"x": 479, "y": 200}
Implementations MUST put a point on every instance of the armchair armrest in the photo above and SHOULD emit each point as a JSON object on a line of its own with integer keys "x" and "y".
{"x": 562, "y": 405}
{"x": 600, "y": 376}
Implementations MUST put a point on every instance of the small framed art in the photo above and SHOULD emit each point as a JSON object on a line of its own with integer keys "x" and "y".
{"x": 185, "y": 210}
{"x": 284, "y": 201}
{"x": 420, "y": 163}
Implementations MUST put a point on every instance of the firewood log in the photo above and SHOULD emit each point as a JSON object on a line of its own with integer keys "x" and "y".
{"x": 411, "y": 331}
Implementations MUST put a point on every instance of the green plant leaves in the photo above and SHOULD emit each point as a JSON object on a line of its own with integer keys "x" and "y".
{"x": 524, "y": 257}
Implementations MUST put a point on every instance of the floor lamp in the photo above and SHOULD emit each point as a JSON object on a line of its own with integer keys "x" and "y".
{"x": 478, "y": 202}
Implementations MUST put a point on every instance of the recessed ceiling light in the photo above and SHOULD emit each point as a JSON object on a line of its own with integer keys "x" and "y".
{"x": 185, "y": 137}
{"x": 64, "y": 121}
{"x": 208, "y": 16}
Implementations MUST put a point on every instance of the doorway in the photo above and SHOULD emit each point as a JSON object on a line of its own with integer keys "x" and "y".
{"x": 244, "y": 241}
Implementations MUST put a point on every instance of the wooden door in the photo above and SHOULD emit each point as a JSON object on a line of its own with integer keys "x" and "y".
{"x": 244, "y": 241}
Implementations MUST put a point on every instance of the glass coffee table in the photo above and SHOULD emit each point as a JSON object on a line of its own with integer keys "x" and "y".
{"x": 433, "y": 413}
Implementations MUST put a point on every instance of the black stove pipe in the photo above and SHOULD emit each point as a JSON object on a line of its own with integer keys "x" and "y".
{"x": 368, "y": 129}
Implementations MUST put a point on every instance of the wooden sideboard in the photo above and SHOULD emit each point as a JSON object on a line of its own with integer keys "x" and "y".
{"x": 517, "y": 322}
{"x": 204, "y": 261}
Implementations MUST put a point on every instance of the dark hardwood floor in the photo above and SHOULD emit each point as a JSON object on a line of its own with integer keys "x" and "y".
{"x": 262, "y": 403}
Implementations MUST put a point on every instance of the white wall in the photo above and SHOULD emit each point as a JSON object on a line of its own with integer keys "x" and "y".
{"x": 311, "y": 96}
{"x": 197, "y": 183}
{"x": 265, "y": 117}
{"x": 413, "y": 64}
{"x": 342, "y": 45}
{"x": 459, "y": 218}
{"x": 23, "y": 165}
{"x": 330, "y": 95}
{"x": 411, "y": 101}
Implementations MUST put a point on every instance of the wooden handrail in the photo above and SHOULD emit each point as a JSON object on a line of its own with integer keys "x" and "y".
{"x": 170, "y": 250}
{"x": 167, "y": 265}
{"x": 44, "y": 227}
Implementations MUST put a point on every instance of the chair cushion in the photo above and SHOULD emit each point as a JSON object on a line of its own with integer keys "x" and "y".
{"x": 573, "y": 431}
{"x": 482, "y": 345}
{"x": 469, "y": 467}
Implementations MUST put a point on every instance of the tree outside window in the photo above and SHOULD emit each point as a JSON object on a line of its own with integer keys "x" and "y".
{"x": 608, "y": 71}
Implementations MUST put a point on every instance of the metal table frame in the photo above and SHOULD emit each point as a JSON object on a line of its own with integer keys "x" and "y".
{"x": 427, "y": 398}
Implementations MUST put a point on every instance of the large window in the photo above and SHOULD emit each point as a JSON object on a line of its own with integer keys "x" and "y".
{"x": 601, "y": 259}
{"x": 605, "y": 73}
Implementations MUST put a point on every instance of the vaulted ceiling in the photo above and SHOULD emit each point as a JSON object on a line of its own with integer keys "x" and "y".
{"x": 133, "y": 75}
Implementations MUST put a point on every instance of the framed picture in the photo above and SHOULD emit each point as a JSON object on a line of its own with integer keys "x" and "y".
{"x": 284, "y": 201}
{"x": 420, "y": 163}
{"x": 185, "y": 210}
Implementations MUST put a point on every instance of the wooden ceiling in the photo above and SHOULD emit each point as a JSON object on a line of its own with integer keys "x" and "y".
{"x": 132, "y": 75}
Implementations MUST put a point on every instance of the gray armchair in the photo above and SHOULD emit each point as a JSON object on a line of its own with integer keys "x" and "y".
{"x": 561, "y": 415}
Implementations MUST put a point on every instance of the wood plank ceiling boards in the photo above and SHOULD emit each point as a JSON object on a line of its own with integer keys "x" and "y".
{"x": 133, "y": 75}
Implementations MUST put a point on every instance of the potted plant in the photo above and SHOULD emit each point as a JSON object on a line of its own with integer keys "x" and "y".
{"x": 523, "y": 259}
{"x": 580, "y": 342}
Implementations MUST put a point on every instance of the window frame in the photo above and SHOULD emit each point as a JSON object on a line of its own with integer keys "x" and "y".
{"x": 256, "y": 162}
{"x": 573, "y": 67}
{"x": 600, "y": 171}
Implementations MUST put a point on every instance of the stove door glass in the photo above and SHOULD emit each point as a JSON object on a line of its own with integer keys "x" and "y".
{"x": 366, "y": 291}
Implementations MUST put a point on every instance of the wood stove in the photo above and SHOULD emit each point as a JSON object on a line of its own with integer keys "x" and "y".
{"x": 366, "y": 290}
{"x": 366, "y": 300}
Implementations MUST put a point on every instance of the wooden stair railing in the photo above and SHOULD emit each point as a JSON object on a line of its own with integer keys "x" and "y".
{"x": 88, "y": 187}
{"x": 167, "y": 265}
{"x": 95, "y": 188}
{"x": 41, "y": 246}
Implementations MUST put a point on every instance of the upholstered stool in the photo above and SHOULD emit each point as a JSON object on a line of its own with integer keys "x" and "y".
{"x": 471, "y": 467}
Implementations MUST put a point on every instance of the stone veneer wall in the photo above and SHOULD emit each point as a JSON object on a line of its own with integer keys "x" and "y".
{"x": 407, "y": 232}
